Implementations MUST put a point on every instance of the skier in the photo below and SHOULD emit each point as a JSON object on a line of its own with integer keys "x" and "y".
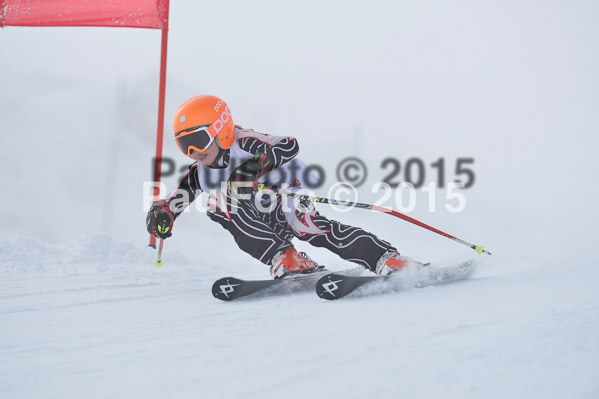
{"x": 241, "y": 160}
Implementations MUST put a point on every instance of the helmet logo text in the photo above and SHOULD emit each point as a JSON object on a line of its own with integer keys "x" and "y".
{"x": 225, "y": 116}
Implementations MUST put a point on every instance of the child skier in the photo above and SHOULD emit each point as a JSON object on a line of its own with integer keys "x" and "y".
{"x": 241, "y": 159}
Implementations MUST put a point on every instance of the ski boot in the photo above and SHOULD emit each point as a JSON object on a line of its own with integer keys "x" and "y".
{"x": 289, "y": 262}
{"x": 392, "y": 261}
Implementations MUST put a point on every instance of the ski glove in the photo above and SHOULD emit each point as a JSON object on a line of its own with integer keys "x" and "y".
{"x": 244, "y": 178}
{"x": 160, "y": 220}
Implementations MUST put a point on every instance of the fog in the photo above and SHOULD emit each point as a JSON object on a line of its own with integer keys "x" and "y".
{"x": 512, "y": 85}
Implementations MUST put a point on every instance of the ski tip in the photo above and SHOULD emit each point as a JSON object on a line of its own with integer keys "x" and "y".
{"x": 225, "y": 288}
{"x": 158, "y": 263}
{"x": 326, "y": 286}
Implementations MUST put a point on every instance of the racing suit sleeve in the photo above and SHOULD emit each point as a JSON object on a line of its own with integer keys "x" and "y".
{"x": 188, "y": 190}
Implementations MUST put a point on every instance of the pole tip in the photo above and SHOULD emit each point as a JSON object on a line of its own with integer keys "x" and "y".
{"x": 158, "y": 263}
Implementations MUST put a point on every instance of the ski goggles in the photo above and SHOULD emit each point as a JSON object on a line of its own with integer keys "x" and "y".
{"x": 196, "y": 138}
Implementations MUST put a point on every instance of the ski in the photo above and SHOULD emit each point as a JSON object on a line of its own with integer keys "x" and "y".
{"x": 334, "y": 285}
{"x": 231, "y": 288}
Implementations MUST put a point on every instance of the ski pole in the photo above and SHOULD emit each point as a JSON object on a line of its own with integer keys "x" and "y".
{"x": 478, "y": 248}
{"x": 158, "y": 262}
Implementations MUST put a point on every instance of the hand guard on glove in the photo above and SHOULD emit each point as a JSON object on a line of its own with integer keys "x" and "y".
{"x": 244, "y": 178}
{"x": 160, "y": 220}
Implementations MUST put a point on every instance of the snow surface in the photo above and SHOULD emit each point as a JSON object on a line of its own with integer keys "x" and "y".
{"x": 118, "y": 327}
{"x": 513, "y": 85}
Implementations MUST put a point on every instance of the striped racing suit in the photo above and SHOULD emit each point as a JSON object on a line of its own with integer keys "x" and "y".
{"x": 266, "y": 225}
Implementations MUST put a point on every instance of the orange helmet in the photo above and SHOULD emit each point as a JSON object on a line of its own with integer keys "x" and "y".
{"x": 201, "y": 120}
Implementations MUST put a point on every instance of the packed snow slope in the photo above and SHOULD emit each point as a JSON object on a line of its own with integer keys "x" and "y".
{"x": 513, "y": 86}
{"x": 116, "y": 326}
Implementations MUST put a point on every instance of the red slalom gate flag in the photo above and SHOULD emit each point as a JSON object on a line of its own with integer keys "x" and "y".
{"x": 152, "y": 14}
